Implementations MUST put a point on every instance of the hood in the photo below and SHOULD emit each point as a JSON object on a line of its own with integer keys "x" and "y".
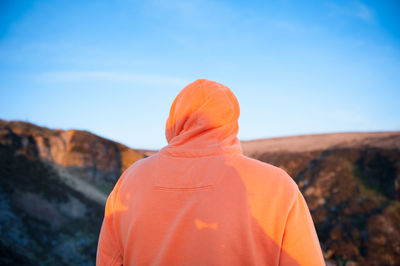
{"x": 203, "y": 120}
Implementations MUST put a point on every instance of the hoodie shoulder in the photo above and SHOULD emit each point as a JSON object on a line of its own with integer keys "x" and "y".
{"x": 266, "y": 174}
{"x": 137, "y": 171}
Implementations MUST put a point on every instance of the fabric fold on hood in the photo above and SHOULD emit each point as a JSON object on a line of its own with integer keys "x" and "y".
{"x": 203, "y": 120}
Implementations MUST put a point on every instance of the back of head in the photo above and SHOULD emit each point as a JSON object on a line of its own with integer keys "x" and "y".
{"x": 204, "y": 115}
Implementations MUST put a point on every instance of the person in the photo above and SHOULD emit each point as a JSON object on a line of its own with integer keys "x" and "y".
{"x": 200, "y": 201}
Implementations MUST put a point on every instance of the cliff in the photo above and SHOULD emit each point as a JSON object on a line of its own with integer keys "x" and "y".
{"x": 54, "y": 184}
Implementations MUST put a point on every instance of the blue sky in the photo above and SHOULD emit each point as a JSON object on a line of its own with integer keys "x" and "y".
{"x": 114, "y": 67}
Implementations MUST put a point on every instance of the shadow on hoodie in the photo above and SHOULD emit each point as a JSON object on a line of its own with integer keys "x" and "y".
{"x": 200, "y": 201}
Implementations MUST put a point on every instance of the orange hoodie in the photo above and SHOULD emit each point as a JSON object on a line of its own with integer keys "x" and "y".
{"x": 199, "y": 201}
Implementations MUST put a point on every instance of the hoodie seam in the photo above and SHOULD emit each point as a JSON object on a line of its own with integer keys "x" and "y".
{"x": 286, "y": 221}
{"x": 196, "y": 154}
{"x": 172, "y": 189}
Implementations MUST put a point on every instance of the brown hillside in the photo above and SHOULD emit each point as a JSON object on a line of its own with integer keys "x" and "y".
{"x": 307, "y": 143}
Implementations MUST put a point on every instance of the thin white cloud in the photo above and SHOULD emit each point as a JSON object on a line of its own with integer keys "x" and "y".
{"x": 355, "y": 9}
{"x": 287, "y": 26}
{"x": 363, "y": 12}
{"x": 76, "y": 76}
{"x": 198, "y": 14}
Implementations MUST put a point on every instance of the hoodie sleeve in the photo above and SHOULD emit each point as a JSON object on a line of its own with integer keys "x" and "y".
{"x": 108, "y": 250}
{"x": 300, "y": 241}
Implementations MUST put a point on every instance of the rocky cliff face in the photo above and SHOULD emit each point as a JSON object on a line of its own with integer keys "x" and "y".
{"x": 351, "y": 183}
{"x": 53, "y": 189}
{"x": 91, "y": 157}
